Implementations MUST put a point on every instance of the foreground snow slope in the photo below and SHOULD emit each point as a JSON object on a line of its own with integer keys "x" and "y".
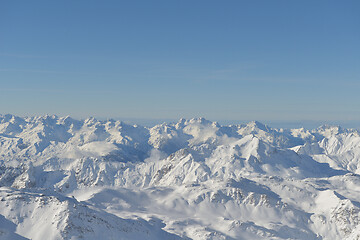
{"x": 62, "y": 178}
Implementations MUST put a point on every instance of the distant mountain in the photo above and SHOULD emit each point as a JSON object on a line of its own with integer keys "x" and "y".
{"x": 62, "y": 178}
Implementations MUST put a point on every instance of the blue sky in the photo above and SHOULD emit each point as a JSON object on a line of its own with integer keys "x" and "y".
{"x": 288, "y": 61}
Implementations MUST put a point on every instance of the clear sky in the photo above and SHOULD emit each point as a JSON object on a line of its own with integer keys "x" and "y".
{"x": 223, "y": 60}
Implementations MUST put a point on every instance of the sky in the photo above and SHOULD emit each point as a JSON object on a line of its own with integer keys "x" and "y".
{"x": 271, "y": 61}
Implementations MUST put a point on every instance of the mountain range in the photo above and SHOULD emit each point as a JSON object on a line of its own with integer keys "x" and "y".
{"x": 62, "y": 178}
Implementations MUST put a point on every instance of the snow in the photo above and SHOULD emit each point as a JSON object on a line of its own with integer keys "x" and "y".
{"x": 62, "y": 178}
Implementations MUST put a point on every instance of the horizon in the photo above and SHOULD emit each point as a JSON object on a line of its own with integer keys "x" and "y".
{"x": 150, "y": 122}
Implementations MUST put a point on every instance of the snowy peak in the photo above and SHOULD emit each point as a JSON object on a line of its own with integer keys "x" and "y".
{"x": 54, "y": 216}
{"x": 256, "y": 126}
{"x": 328, "y": 130}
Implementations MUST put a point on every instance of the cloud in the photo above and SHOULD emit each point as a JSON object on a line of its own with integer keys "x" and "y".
{"x": 28, "y": 70}
{"x": 21, "y": 55}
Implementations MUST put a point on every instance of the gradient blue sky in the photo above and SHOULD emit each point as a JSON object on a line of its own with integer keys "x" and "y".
{"x": 224, "y": 60}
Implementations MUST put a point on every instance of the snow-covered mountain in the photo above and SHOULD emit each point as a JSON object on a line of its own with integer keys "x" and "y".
{"x": 62, "y": 178}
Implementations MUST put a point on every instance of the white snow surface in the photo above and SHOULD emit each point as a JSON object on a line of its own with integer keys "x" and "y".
{"x": 62, "y": 178}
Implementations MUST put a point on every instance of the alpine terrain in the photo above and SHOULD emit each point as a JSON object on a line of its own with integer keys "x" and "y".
{"x": 62, "y": 178}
